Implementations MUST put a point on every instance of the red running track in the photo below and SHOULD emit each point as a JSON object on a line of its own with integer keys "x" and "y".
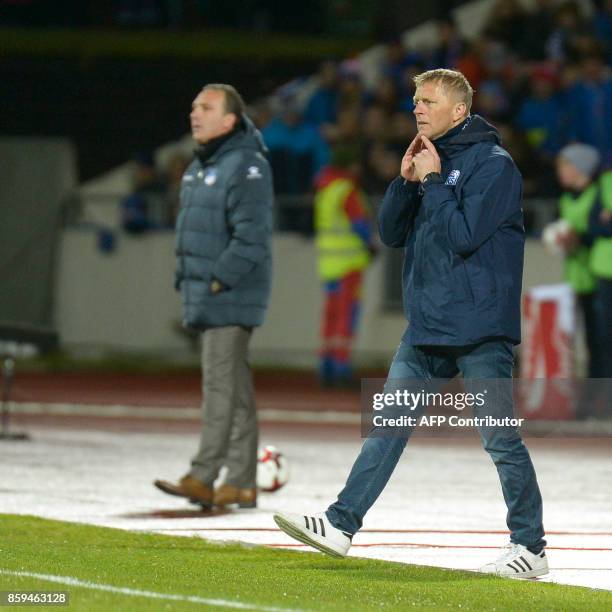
{"x": 172, "y": 390}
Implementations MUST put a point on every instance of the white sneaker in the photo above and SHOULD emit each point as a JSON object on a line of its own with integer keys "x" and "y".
{"x": 516, "y": 561}
{"x": 315, "y": 531}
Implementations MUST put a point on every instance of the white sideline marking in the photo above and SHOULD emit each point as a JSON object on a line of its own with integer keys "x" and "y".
{"x": 271, "y": 415}
{"x": 68, "y": 580}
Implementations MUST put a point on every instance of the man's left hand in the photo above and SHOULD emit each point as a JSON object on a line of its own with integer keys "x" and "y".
{"x": 427, "y": 160}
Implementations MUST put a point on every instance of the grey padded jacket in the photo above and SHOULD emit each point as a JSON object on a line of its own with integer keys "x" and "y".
{"x": 223, "y": 232}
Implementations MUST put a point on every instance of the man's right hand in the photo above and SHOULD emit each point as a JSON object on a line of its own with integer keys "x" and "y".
{"x": 408, "y": 170}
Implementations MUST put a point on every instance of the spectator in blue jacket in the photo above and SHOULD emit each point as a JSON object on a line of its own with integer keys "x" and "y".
{"x": 540, "y": 115}
{"x": 456, "y": 211}
{"x": 223, "y": 273}
{"x": 589, "y": 101}
{"x": 322, "y": 106}
{"x": 145, "y": 208}
{"x": 297, "y": 150}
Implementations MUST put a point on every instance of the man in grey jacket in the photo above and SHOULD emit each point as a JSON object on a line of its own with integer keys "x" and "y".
{"x": 223, "y": 236}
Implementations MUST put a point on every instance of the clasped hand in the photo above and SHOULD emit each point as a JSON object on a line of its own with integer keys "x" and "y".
{"x": 420, "y": 159}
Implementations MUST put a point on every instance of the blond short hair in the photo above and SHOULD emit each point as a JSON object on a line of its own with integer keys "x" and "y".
{"x": 451, "y": 81}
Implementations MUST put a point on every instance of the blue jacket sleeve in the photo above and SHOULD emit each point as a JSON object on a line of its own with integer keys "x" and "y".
{"x": 249, "y": 219}
{"x": 397, "y": 212}
{"x": 490, "y": 197}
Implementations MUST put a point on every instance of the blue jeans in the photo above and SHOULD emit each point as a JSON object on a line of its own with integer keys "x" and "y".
{"x": 379, "y": 455}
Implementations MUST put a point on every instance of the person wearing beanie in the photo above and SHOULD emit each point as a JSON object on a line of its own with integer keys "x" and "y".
{"x": 583, "y": 157}
{"x": 577, "y": 165}
{"x": 600, "y": 229}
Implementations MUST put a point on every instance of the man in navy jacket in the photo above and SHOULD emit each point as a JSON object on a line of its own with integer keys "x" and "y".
{"x": 456, "y": 210}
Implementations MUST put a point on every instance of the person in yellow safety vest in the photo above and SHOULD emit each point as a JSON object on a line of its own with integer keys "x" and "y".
{"x": 577, "y": 166}
{"x": 600, "y": 228}
{"x": 343, "y": 237}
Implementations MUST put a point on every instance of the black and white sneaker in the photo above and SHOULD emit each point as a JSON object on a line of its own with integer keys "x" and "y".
{"x": 516, "y": 561}
{"x": 315, "y": 531}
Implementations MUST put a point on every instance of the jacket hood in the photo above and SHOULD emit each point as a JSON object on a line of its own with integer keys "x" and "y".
{"x": 473, "y": 130}
{"x": 244, "y": 136}
{"x": 249, "y": 137}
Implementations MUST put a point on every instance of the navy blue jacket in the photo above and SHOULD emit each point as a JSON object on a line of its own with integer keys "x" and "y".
{"x": 223, "y": 232}
{"x": 464, "y": 242}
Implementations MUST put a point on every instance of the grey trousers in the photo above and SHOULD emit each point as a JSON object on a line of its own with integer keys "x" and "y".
{"x": 229, "y": 418}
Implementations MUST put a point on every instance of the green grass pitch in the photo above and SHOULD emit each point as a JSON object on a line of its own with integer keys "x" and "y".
{"x": 158, "y": 572}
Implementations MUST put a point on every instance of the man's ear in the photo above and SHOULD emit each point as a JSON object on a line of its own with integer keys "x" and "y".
{"x": 229, "y": 121}
{"x": 459, "y": 111}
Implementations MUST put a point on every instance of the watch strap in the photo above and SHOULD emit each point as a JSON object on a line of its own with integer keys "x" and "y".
{"x": 433, "y": 177}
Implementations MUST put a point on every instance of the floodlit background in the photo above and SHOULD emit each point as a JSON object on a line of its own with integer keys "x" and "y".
{"x": 97, "y": 368}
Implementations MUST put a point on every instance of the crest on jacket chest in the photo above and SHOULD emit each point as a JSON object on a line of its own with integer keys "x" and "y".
{"x": 209, "y": 176}
{"x": 453, "y": 177}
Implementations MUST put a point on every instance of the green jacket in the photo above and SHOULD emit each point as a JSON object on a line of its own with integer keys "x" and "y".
{"x": 576, "y": 211}
{"x": 601, "y": 252}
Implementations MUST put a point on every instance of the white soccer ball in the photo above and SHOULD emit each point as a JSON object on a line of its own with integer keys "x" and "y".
{"x": 272, "y": 469}
{"x": 554, "y": 234}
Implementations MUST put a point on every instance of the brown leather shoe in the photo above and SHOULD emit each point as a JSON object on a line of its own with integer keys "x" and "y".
{"x": 189, "y": 487}
{"x": 228, "y": 494}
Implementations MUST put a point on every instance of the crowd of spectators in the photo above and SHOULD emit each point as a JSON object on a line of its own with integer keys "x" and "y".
{"x": 543, "y": 78}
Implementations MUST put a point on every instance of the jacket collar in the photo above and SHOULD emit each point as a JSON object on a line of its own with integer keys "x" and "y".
{"x": 474, "y": 129}
{"x": 205, "y": 151}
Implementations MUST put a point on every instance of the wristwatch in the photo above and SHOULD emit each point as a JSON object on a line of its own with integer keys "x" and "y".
{"x": 432, "y": 177}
